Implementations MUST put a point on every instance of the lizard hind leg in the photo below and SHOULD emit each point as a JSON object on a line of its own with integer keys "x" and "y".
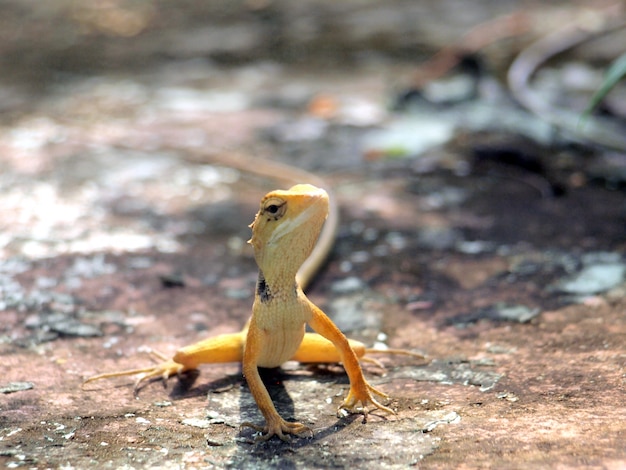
{"x": 164, "y": 370}
{"x": 222, "y": 348}
{"x": 396, "y": 352}
{"x": 390, "y": 351}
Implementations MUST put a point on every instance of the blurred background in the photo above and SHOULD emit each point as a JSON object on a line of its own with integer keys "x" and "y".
{"x": 96, "y": 97}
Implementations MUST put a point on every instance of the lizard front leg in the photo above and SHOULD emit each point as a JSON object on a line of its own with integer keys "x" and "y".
{"x": 274, "y": 424}
{"x": 222, "y": 348}
{"x": 361, "y": 392}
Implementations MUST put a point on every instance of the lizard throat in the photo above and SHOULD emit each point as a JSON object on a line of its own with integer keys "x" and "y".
{"x": 266, "y": 293}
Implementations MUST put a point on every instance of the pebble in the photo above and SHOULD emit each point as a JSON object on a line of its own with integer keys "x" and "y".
{"x": 72, "y": 327}
{"x": 594, "y": 279}
{"x": 16, "y": 387}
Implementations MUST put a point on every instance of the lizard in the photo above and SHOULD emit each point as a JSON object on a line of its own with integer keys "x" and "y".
{"x": 284, "y": 233}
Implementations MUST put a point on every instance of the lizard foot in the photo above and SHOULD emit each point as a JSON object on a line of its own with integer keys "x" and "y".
{"x": 278, "y": 427}
{"x": 360, "y": 396}
{"x": 164, "y": 370}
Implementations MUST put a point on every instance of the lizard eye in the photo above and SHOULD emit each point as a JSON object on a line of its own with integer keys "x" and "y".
{"x": 275, "y": 208}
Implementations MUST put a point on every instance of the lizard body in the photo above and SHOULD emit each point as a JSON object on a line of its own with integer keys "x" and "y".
{"x": 284, "y": 233}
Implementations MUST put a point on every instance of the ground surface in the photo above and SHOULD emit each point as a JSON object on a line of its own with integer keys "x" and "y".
{"x": 470, "y": 231}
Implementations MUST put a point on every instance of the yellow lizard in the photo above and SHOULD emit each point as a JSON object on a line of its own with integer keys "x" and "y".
{"x": 284, "y": 233}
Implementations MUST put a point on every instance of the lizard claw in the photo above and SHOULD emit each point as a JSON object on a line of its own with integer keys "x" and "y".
{"x": 279, "y": 428}
{"x": 359, "y": 397}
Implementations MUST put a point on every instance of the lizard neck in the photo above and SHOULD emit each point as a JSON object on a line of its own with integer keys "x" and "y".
{"x": 279, "y": 262}
{"x": 278, "y": 267}
{"x": 280, "y": 288}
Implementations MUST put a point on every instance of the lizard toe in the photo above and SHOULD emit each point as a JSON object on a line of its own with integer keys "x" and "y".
{"x": 279, "y": 428}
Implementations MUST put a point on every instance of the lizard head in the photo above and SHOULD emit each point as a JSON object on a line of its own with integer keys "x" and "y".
{"x": 287, "y": 226}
